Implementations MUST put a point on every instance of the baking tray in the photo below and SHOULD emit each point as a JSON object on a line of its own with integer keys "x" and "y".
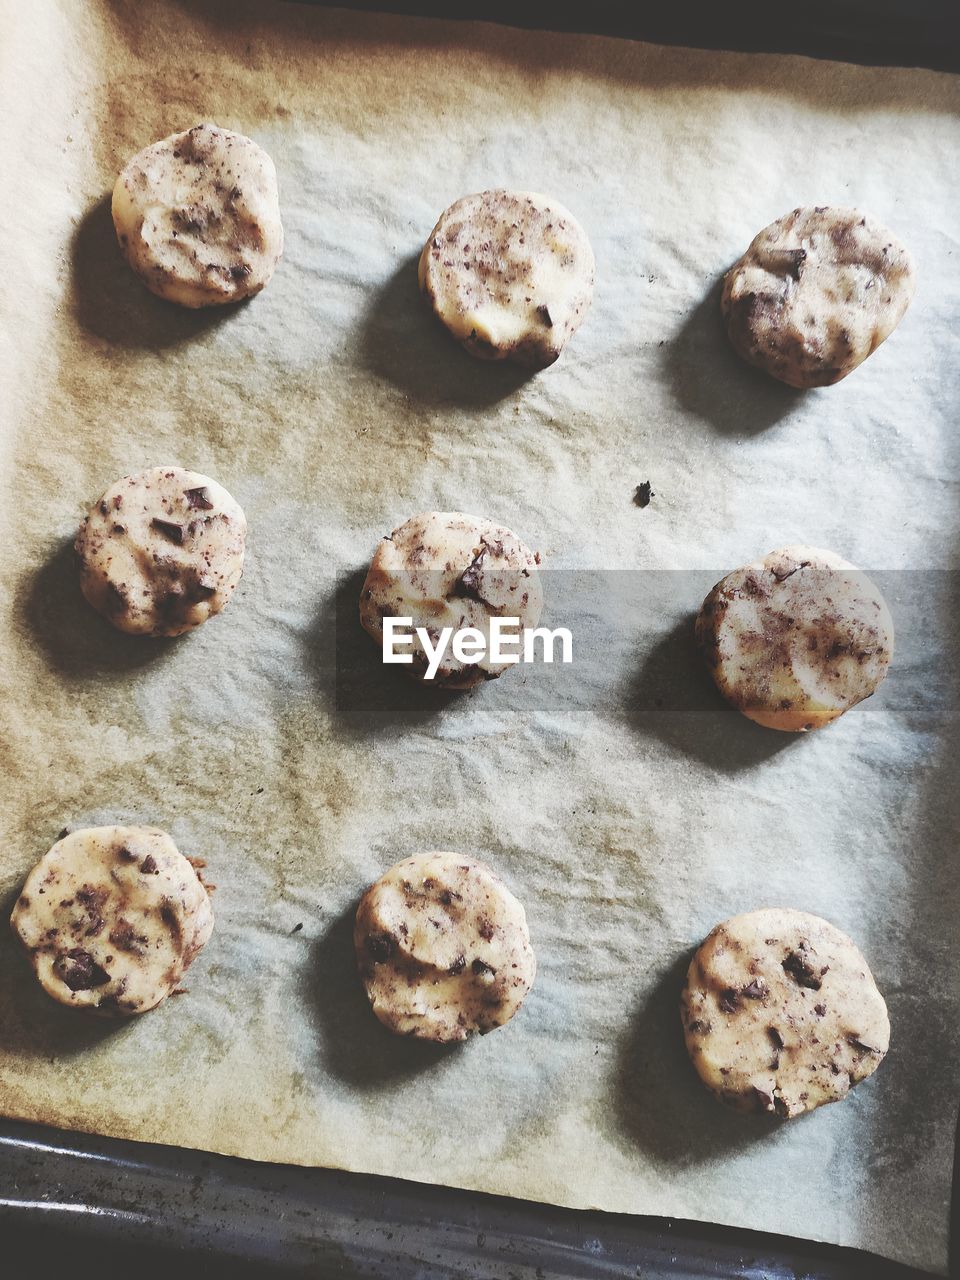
{"x": 916, "y": 33}
{"x": 89, "y": 1204}
{"x": 70, "y": 1199}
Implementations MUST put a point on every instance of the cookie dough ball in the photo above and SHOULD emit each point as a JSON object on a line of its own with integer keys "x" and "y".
{"x": 781, "y": 1013}
{"x": 796, "y": 639}
{"x": 443, "y": 948}
{"x": 197, "y": 216}
{"x": 510, "y": 275}
{"x": 162, "y": 551}
{"x": 112, "y": 917}
{"x": 816, "y": 293}
{"x": 447, "y": 569}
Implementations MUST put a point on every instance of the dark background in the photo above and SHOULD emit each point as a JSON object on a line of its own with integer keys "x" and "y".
{"x": 921, "y": 33}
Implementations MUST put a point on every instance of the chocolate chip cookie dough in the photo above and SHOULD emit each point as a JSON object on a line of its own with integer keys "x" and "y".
{"x": 197, "y": 216}
{"x": 443, "y": 948}
{"x": 781, "y": 1013}
{"x": 161, "y": 551}
{"x": 510, "y": 275}
{"x": 816, "y": 293}
{"x": 796, "y": 639}
{"x": 112, "y": 917}
{"x": 448, "y": 569}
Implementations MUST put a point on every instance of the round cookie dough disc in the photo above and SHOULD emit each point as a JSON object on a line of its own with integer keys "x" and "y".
{"x": 817, "y": 292}
{"x": 197, "y": 216}
{"x": 448, "y": 569}
{"x": 162, "y": 551}
{"x": 510, "y": 275}
{"x": 796, "y": 639}
{"x": 112, "y": 917}
{"x": 443, "y": 948}
{"x": 781, "y": 1013}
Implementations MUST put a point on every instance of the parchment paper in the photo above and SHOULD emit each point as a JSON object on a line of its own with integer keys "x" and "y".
{"x": 626, "y": 806}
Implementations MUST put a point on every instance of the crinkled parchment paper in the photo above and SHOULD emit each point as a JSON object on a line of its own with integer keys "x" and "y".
{"x": 626, "y": 806}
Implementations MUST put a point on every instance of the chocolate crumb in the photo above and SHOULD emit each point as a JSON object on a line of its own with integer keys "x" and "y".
{"x": 171, "y": 920}
{"x": 170, "y": 530}
{"x": 861, "y": 1046}
{"x": 801, "y": 970}
{"x": 468, "y": 584}
{"x": 643, "y": 494}
{"x": 79, "y": 971}
{"x": 198, "y": 499}
{"x": 125, "y": 938}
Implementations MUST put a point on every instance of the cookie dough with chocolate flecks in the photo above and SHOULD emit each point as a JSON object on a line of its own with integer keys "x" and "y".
{"x": 816, "y": 293}
{"x": 443, "y": 948}
{"x": 161, "y": 551}
{"x": 197, "y": 216}
{"x": 448, "y": 569}
{"x": 510, "y": 275}
{"x": 781, "y": 1013}
{"x": 796, "y": 639}
{"x": 112, "y": 918}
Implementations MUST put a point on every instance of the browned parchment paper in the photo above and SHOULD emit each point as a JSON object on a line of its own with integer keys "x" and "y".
{"x": 626, "y": 807}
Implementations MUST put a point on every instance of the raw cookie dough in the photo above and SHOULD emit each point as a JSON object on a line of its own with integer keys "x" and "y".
{"x": 112, "y": 917}
{"x": 162, "y": 551}
{"x": 817, "y": 292}
{"x": 443, "y": 948}
{"x": 781, "y": 1013}
{"x": 509, "y": 274}
{"x": 197, "y": 216}
{"x": 447, "y": 569}
{"x": 796, "y": 639}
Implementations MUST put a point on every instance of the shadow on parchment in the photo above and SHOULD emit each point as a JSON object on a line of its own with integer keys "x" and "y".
{"x": 32, "y": 1024}
{"x": 364, "y": 696}
{"x": 659, "y": 1103}
{"x": 403, "y": 342}
{"x": 75, "y": 639}
{"x": 709, "y": 379}
{"x": 354, "y": 1045}
{"x": 672, "y": 698}
{"x": 109, "y": 300}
